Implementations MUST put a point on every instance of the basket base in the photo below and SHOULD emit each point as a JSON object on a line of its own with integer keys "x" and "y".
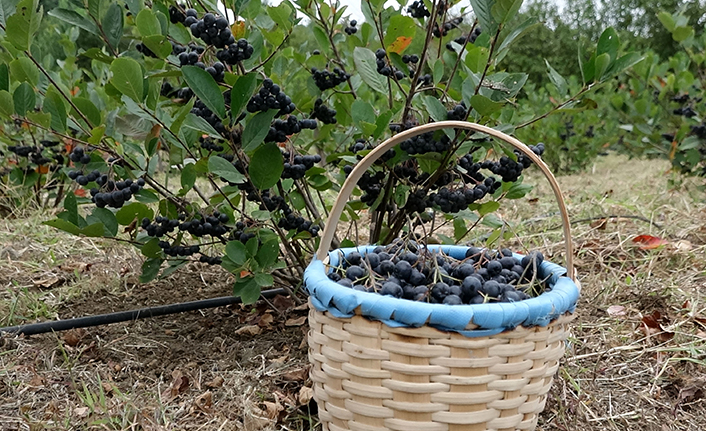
{"x": 369, "y": 376}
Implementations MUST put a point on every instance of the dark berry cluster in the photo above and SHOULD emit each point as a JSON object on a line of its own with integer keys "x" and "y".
{"x": 351, "y": 28}
{"x": 687, "y": 112}
{"x": 371, "y": 185}
{"x": 236, "y": 52}
{"x": 209, "y": 144}
{"x": 201, "y": 110}
{"x": 298, "y": 223}
{"x": 453, "y": 201}
{"x": 78, "y": 155}
{"x": 192, "y": 57}
{"x": 325, "y": 79}
{"x": 110, "y": 193}
{"x": 418, "y": 10}
{"x": 295, "y": 166}
{"x": 160, "y": 227}
{"x": 457, "y": 113}
{"x": 239, "y": 233}
{"x": 408, "y": 271}
{"x": 184, "y": 93}
{"x": 211, "y": 260}
{"x": 446, "y": 27}
{"x": 22, "y": 150}
{"x": 281, "y": 129}
{"x": 212, "y": 29}
{"x": 271, "y": 96}
{"x": 176, "y": 14}
{"x": 384, "y": 69}
{"x": 34, "y": 153}
{"x": 425, "y": 143}
{"x": 213, "y": 225}
{"x": 461, "y": 40}
{"x": 323, "y": 113}
{"x": 178, "y": 250}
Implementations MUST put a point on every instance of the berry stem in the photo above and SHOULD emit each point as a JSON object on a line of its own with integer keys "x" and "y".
{"x": 573, "y": 98}
{"x": 329, "y": 34}
{"x": 422, "y": 56}
{"x": 269, "y": 57}
{"x": 460, "y": 53}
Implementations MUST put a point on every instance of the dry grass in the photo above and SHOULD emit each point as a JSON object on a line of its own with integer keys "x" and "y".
{"x": 637, "y": 358}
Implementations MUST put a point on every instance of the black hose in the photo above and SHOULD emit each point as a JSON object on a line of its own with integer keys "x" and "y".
{"x": 122, "y": 316}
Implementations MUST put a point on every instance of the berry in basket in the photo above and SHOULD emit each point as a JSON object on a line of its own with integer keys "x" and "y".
{"x": 409, "y": 271}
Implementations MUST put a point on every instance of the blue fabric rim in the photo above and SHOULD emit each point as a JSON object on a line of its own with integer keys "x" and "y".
{"x": 491, "y": 318}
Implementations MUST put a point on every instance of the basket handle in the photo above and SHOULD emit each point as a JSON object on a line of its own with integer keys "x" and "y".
{"x": 377, "y": 152}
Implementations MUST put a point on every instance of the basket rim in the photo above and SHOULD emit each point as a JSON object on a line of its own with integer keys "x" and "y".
{"x": 475, "y": 320}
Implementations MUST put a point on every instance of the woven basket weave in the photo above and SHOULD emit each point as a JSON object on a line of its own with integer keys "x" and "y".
{"x": 372, "y": 372}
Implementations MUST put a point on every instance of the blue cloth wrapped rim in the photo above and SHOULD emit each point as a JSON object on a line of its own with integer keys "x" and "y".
{"x": 491, "y": 318}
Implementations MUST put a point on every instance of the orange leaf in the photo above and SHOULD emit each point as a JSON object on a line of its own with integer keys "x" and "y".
{"x": 244, "y": 273}
{"x": 673, "y": 150}
{"x": 42, "y": 169}
{"x": 80, "y": 193}
{"x": 649, "y": 242}
{"x": 238, "y": 29}
{"x": 400, "y": 44}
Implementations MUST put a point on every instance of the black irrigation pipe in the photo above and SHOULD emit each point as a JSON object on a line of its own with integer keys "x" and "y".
{"x": 123, "y": 316}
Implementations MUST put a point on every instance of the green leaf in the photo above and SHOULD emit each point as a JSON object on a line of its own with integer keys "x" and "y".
{"x": 224, "y": 169}
{"x": 205, "y": 87}
{"x": 147, "y": 23}
{"x": 88, "y": 109}
{"x": 268, "y": 253}
{"x": 7, "y": 8}
{"x": 54, "y": 104}
{"x": 515, "y": 33}
{"x": 235, "y": 250}
{"x": 504, "y": 10}
{"x": 682, "y": 33}
{"x": 113, "y": 24}
{"x": 266, "y": 166}
{"x": 21, "y": 26}
{"x": 366, "y": 65}
{"x": 24, "y": 99}
{"x": 485, "y": 106}
{"x": 134, "y": 211}
{"x": 24, "y": 70}
{"x": 256, "y": 129}
{"x": 460, "y": 229}
{"x": 241, "y": 93}
{"x": 106, "y": 218}
{"x": 151, "y": 248}
{"x": 128, "y": 79}
{"x": 193, "y": 127}
{"x": 667, "y": 20}
{"x": 557, "y": 79}
{"x": 251, "y": 247}
{"x": 158, "y": 44}
{"x": 437, "y": 111}
{"x": 362, "y": 111}
{"x": 188, "y": 176}
{"x": 601, "y": 65}
{"x": 75, "y": 19}
{"x": 150, "y": 269}
{"x": 623, "y": 63}
{"x": 264, "y": 280}
{"x": 247, "y": 289}
{"x": 4, "y": 76}
{"x": 282, "y": 15}
{"x": 63, "y": 225}
{"x": 608, "y": 43}
{"x": 488, "y": 207}
{"x": 71, "y": 207}
{"x": 518, "y": 191}
{"x": 399, "y": 26}
{"x": 6, "y": 104}
{"x": 483, "y": 11}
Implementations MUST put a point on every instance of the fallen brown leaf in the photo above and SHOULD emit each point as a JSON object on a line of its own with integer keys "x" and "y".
{"x": 296, "y": 375}
{"x": 48, "y": 282}
{"x": 283, "y": 303}
{"x": 216, "y": 382}
{"x": 599, "y": 224}
{"x": 74, "y": 336}
{"x": 204, "y": 402}
{"x": 249, "y": 330}
{"x": 75, "y": 266}
{"x": 81, "y": 412}
{"x": 179, "y": 385}
{"x": 305, "y": 395}
{"x": 616, "y": 310}
{"x": 299, "y": 321}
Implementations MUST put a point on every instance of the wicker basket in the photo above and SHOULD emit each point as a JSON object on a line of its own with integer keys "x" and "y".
{"x": 380, "y": 363}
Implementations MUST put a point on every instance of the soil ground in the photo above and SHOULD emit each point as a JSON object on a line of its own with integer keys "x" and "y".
{"x": 636, "y": 359}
